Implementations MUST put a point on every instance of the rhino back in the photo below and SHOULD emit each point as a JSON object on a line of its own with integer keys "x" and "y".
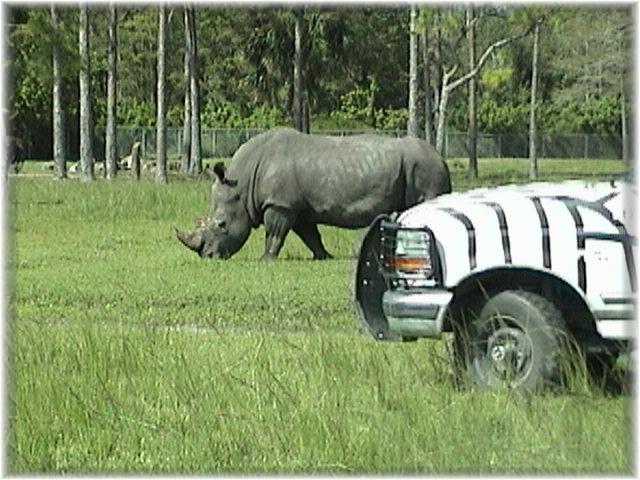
{"x": 342, "y": 181}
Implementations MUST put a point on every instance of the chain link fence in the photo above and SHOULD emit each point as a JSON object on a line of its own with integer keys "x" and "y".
{"x": 549, "y": 146}
{"x": 223, "y": 142}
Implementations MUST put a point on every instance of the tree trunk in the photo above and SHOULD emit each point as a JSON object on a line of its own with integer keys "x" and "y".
{"x": 59, "y": 151}
{"x": 442, "y": 112}
{"x": 428, "y": 104}
{"x": 306, "y": 120}
{"x": 371, "y": 107}
{"x": 86, "y": 127}
{"x": 161, "y": 122}
{"x": 413, "y": 129}
{"x": 473, "y": 129}
{"x": 298, "y": 72}
{"x": 195, "y": 157}
{"x": 623, "y": 122}
{"x": 111, "y": 140}
{"x": 186, "y": 129}
{"x": 533, "y": 159}
{"x": 438, "y": 71}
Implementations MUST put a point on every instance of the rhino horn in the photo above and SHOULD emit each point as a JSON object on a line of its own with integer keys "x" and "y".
{"x": 192, "y": 240}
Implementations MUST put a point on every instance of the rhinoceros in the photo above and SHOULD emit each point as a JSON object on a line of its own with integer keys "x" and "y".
{"x": 288, "y": 180}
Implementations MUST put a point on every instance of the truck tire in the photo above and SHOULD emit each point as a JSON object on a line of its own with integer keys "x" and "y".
{"x": 514, "y": 341}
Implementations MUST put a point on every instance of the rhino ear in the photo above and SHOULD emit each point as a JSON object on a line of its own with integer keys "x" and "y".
{"x": 220, "y": 170}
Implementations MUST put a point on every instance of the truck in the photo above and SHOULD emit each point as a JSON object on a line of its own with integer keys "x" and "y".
{"x": 515, "y": 274}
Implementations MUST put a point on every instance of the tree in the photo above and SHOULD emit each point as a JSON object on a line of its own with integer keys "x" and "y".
{"x": 413, "y": 129}
{"x": 298, "y": 71}
{"x": 623, "y": 121}
{"x": 438, "y": 25}
{"x": 161, "y": 126}
{"x": 473, "y": 128}
{"x": 449, "y": 86}
{"x": 59, "y": 150}
{"x": 623, "y": 45}
{"x": 588, "y": 65}
{"x": 428, "y": 100}
{"x": 533, "y": 158}
{"x": 356, "y": 62}
{"x": 111, "y": 139}
{"x": 195, "y": 157}
{"x": 185, "y": 148}
{"x": 86, "y": 121}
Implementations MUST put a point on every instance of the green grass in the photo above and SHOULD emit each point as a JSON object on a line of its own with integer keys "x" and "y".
{"x": 127, "y": 353}
{"x": 500, "y": 171}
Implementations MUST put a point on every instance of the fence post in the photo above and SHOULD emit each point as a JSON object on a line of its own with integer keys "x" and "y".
{"x": 586, "y": 146}
{"x": 135, "y": 160}
{"x": 143, "y": 142}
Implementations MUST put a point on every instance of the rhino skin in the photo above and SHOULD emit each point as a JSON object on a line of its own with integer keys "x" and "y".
{"x": 288, "y": 180}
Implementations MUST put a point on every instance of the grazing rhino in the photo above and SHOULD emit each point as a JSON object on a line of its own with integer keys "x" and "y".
{"x": 287, "y": 180}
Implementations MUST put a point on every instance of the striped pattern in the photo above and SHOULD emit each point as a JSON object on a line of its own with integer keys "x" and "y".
{"x": 566, "y": 229}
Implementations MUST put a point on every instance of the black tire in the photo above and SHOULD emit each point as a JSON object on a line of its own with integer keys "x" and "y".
{"x": 512, "y": 340}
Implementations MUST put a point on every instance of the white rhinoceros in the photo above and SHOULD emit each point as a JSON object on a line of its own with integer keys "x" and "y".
{"x": 287, "y": 180}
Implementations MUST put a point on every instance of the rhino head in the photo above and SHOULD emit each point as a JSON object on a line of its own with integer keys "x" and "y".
{"x": 228, "y": 225}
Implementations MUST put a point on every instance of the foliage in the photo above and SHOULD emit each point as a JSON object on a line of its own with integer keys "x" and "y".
{"x": 357, "y": 110}
{"x": 355, "y": 106}
{"x": 502, "y": 117}
{"x": 357, "y": 62}
{"x": 228, "y": 115}
{"x": 30, "y": 50}
{"x": 392, "y": 119}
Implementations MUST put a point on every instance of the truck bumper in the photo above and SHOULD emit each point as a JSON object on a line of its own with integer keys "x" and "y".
{"x": 416, "y": 314}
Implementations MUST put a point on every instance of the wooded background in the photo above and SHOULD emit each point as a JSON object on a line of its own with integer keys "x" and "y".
{"x": 354, "y": 68}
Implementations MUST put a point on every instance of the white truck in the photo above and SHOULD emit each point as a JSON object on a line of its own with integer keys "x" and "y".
{"x": 512, "y": 271}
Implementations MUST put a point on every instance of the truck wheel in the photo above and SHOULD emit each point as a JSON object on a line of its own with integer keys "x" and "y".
{"x": 514, "y": 341}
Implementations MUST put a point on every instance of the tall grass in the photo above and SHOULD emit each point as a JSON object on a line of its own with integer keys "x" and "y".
{"x": 89, "y": 398}
{"x": 128, "y": 353}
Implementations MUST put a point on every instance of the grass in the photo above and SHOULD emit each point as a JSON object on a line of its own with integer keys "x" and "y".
{"x": 500, "y": 171}
{"x": 129, "y": 354}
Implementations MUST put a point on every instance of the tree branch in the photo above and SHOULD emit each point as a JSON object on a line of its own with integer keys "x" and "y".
{"x": 485, "y": 56}
{"x": 481, "y": 13}
{"x": 447, "y": 75}
{"x": 123, "y": 14}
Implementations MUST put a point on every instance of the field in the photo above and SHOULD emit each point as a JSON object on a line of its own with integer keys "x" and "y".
{"x": 127, "y": 353}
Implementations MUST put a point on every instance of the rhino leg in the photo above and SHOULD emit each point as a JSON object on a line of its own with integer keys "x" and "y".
{"x": 277, "y": 223}
{"x": 310, "y": 235}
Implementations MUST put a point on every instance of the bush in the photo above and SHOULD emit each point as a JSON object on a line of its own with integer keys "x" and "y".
{"x": 227, "y": 115}
{"x": 355, "y": 111}
{"x": 137, "y": 112}
{"x": 354, "y": 107}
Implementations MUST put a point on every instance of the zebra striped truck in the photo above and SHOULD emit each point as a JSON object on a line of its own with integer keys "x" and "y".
{"x": 511, "y": 271}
